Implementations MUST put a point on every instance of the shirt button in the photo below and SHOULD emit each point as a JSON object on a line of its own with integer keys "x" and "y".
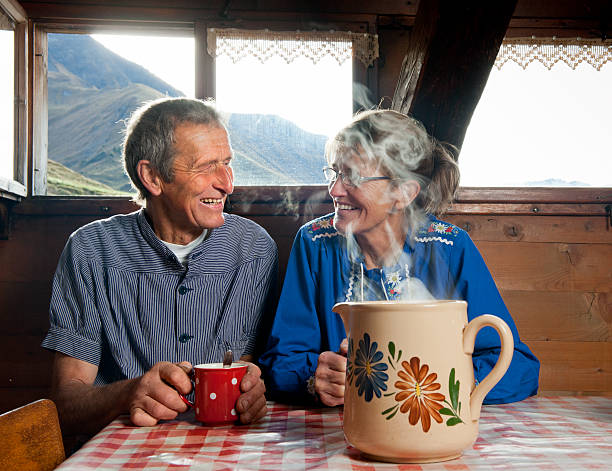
{"x": 185, "y": 338}
{"x": 182, "y": 290}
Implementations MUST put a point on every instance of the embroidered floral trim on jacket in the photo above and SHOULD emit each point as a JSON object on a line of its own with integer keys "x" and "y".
{"x": 440, "y": 228}
{"x": 430, "y": 234}
{"x": 322, "y": 227}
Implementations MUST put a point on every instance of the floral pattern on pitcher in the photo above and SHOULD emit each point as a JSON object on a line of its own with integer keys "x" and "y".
{"x": 369, "y": 370}
{"x": 417, "y": 392}
{"x": 418, "y": 395}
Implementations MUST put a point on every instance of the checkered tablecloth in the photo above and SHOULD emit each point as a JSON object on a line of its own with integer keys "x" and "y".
{"x": 542, "y": 433}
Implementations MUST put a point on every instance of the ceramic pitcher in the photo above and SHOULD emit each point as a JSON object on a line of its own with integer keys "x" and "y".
{"x": 410, "y": 394}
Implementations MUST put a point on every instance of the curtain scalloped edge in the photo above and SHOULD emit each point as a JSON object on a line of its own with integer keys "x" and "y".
{"x": 552, "y": 51}
{"x": 289, "y": 45}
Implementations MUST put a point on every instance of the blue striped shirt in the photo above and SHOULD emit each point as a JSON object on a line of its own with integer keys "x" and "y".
{"x": 121, "y": 300}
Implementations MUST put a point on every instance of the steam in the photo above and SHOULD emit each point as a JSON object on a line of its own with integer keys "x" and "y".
{"x": 398, "y": 276}
{"x": 362, "y": 96}
{"x": 387, "y": 143}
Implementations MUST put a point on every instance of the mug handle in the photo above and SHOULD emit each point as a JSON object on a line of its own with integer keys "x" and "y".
{"x": 503, "y": 362}
{"x": 191, "y": 375}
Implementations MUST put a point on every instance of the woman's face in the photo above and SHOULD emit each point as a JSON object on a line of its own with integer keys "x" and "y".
{"x": 367, "y": 208}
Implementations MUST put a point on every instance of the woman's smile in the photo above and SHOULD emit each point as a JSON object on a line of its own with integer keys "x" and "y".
{"x": 345, "y": 207}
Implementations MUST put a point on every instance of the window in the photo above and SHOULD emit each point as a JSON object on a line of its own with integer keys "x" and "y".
{"x": 95, "y": 81}
{"x": 285, "y": 94}
{"x": 94, "y": 84}
{"x": 12, "y": 101}
{"x": 543, "y": 119}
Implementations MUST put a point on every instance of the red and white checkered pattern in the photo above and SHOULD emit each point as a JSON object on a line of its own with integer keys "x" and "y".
{"x": 543, "y": 433}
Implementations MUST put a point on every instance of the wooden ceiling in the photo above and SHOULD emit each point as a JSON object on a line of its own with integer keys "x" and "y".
{"x": 546, "y": 13}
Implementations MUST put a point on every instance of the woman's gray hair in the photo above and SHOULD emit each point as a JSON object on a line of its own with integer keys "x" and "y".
{"x": 401, "y": 148}
{"x": 149, "y": 135}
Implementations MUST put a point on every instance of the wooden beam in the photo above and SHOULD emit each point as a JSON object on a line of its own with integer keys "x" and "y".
{"x": 452, "y": 48}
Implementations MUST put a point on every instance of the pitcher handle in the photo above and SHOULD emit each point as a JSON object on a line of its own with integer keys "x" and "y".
{"x": 503, "y": 362}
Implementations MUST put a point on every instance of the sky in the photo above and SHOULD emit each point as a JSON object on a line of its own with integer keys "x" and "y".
{"x": 248, "y": 86}
{"x": 530, "y": 125}
{"x": 318, "y": 98}
{"x": 6, "y": 104}
{"x": 169, "y": 58}
{"x": 536, "y": 124}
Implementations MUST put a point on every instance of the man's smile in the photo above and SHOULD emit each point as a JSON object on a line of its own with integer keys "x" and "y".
{"x": 212, "y": 201}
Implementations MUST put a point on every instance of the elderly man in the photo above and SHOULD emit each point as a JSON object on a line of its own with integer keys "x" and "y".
{"x": 138, "y": 298}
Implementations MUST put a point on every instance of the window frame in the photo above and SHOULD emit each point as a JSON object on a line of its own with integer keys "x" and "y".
{"x": 16, "y": 188}
{"x": 204, "y": 66}
{"x": 39, "y": 60}
{"x": 469, "y": 200}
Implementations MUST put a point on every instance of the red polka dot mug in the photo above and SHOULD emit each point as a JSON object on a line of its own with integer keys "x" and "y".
{"x": 217, "y": 389}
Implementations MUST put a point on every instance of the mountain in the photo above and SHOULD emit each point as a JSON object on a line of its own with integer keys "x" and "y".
{"x": 556, "y": 182}
{"x": 270, "y": 150}
{"x": 89, "y": 63}
{"x": 92, "y": 91}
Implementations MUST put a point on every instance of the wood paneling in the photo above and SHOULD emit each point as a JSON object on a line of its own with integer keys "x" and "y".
{"x": 549, "y": 250}
{"x": 549, "y": 266}
{"x": 27, "y": 364}
{"x": 24, "y": 308}
{"x": 39, "y": 241}
{"x": 561, "y": 316}
{"x": 578, "y": 367}
{"x": 554, "y": 273}
{"x": 579, "y": 230}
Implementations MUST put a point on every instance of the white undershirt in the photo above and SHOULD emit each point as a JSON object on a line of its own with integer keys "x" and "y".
{"x": 182, "y": 251}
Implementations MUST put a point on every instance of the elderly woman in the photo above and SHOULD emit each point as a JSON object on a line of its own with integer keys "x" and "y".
{"x": 388, "y": 179}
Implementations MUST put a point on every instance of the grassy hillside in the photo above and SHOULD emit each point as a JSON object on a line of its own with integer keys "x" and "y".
{"x": 61, "y": 181}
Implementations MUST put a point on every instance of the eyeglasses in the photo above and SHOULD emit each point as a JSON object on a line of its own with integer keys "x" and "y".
{"x": 349, "y": 177}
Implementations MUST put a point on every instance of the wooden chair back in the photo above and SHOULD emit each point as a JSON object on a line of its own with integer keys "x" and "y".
{"x": 30, "y": 438}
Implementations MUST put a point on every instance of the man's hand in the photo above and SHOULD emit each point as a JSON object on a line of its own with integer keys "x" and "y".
{"x": 154, "y": 397}
{"x": 330, "y": 376}
{"x": 84, "y": 408}
{"x": 251, "y": 405}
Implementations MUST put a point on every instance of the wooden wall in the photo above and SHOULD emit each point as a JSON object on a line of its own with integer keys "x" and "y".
{"x": 555, "y": 275}
{"x": 554, "y": 271}
{"x": 550, "y": 255}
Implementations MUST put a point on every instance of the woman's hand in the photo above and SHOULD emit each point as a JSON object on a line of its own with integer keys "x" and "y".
{"x": 330, "y": 376}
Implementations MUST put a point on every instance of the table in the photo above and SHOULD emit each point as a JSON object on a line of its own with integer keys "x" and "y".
{"x": 552, "y": 433}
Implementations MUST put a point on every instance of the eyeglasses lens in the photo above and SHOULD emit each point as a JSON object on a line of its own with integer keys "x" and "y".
{"x": 350, "y": 177}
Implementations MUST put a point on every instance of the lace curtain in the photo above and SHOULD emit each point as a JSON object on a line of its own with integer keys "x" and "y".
{"x": 263, "y": 44}
{"x": 552, "y": 51}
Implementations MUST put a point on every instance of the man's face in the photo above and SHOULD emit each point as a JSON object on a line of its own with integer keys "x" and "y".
{"x": 203, "y": 178}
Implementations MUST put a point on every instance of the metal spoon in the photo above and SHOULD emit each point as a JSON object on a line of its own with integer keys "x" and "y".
{"x": 228, "y": 359}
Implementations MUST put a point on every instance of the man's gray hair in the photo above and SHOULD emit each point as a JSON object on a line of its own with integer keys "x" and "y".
{"x": 150, "y": 131}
